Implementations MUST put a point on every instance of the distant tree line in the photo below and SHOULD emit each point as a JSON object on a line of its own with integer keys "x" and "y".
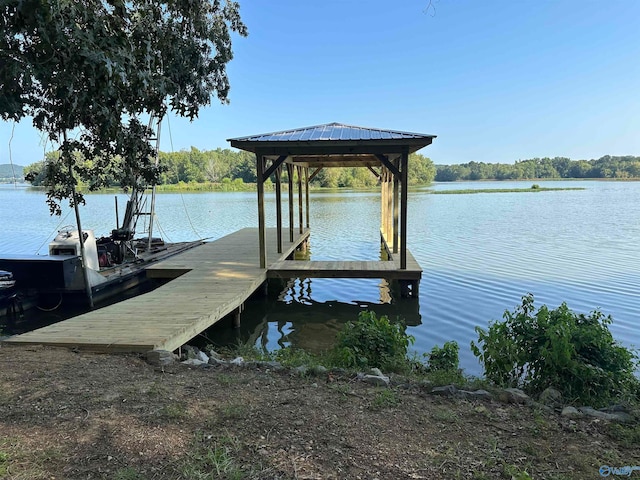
{"x": 223, "y": 166}
{"x": 10, "y": 173}
{"x": 557, "y": 167}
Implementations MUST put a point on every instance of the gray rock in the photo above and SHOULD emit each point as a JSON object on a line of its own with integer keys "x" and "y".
{"x": 319, "y": 370}
{"x": 270, "y": 365}
{"x": 212, "y": 353}
{"x": 446, "y": 390}
{"x": 302, "y": 370}
{"x": 379, "y": 380}
{"x": 160, "y": 358}
{"x": 377, "y": 372}
{"x": 237, "y": 361}
{"x": 615, "y": 408}
{"x": 551, "y": 397}
{"x": 477, "y": 394}
{"x": 621, "y": 417}
{"x": 189, "y": 351}
{"x": 217, "y": 361}
{"x": 202, "y": 356}
{"x": 515, "y": 395}
{"x": 571, "y": 412}
{"x": 194, "y": 362}
{"x": 425, "y": 385}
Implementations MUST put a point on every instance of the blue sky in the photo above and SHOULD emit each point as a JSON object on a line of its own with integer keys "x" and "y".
{"x": 497, "y": 81}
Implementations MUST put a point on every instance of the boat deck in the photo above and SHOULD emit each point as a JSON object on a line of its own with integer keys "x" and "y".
{"x": 209, "y": 282}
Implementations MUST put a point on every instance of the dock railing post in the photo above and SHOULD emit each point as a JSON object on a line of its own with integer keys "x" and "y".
{"x": 279, "y": 207}
{"x": 404, "y": 162}
{"x": 290, "y": 175}
{"x": 262, "y": 237}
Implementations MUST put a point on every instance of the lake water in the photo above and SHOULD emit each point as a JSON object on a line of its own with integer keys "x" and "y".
{"x": 480, "y": 253}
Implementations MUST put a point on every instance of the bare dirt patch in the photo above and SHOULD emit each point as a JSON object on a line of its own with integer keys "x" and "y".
{"x": 68, "y": 415}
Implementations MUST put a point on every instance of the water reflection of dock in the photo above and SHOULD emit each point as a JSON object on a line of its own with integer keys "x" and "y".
{"x": 291, "y": 317}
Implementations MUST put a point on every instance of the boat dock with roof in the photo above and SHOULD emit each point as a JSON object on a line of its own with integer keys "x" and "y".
{"x": 212, "y": 281}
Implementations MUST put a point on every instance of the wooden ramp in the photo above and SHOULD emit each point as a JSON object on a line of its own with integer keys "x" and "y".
{"x": 211, "y": 281}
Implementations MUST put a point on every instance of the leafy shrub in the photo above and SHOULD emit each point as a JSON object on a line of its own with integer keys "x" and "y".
{"x": 535, "y": 186}
{"x": 574, "y": 353}
{"x": 443, "y": 359}
{"x": 373, "y": 342}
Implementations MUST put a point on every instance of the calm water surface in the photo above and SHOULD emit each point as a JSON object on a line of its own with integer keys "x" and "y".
{"x": 480, "y": 253}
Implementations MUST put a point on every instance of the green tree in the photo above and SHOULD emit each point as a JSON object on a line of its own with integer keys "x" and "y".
{"x": 422, "y": 171}
{"x": 98, "y": 66}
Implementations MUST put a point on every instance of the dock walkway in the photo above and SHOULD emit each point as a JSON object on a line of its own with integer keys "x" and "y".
{"x": 211, "y": 281}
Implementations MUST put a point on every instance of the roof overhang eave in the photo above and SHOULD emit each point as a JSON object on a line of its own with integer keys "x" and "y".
{"x": 333, "y": 147}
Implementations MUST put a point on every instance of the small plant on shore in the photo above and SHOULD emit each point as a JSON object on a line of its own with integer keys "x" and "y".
{"x": 443, "y": 359}
{"x": 373, "y": 342}
{"x": 574, "y": 353}
{"x": 442, "y": 365}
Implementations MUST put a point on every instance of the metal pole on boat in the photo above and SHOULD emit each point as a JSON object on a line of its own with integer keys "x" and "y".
{"x": 117, "y": 216}
{"x": 81, "y": 238}
{"x": 153, "y": 188}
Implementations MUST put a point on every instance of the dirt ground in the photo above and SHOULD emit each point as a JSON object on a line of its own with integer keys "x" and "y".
{"x": 69, "y": 415}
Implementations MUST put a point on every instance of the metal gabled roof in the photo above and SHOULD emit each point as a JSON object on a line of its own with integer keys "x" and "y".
{"x": 331, "y": 132}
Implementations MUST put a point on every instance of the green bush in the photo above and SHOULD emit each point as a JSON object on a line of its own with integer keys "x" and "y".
{"x": 574, "y": 353}
{"x": 373, "y": 342}
{"x": 443, "y": 359}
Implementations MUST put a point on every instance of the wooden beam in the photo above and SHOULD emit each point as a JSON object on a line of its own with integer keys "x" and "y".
{"x": 390, "y": 232}
{"x": 306, "y": 191}
{"x": 334, "y": 147}
{"x": 274, "y": 166}
{"x": 337, "y": 163}
{"x": 290, "y": 175}
{"x": 396, "y": 202}
{"x": 315, "y": 172}
{"x": 383, "y": 204}
{"x": 262, "y": 237}
{"x": 404, "y": 181}
{"x": 300, "y": 212}
{"x": 279, "y": 207}
{"x": 385, "y": 161}
{"x": 373, "y": 171}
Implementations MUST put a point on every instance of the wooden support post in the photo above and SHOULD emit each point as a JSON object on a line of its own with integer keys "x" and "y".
{"x": 300, "y": 212}
{"x": 262, "y": 237}
{"x": 306, "y": 188}
{"x": 236, "y": 316}
{"x": 389, "y": 208}
{"x": 278, "y": 173}
{"x": 383, "y": 213}
{"x": 396, "y": 202}
{"x": 290, "y": 175}
{"x": 404, "y": 180}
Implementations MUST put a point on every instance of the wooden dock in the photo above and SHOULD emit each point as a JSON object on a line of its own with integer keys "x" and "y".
{"x": 208, "y": 283}
{"x": 211, "y": 282}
